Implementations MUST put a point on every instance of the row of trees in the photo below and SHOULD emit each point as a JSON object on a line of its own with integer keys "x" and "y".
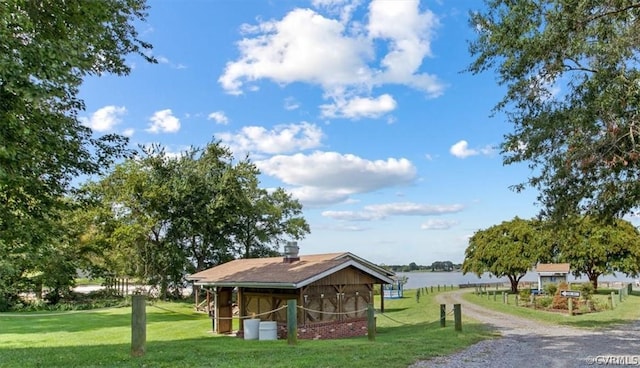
{"x": 445, "y": 266}
{"x": 592, "y": 247}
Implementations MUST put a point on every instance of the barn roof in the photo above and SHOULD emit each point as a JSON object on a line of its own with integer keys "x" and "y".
{"x": 275, "y": 273}
{"x": 553, "y": 268}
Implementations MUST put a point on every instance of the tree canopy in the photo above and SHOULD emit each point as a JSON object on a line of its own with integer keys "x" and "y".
{"x": 509, "y": 250}
{"x": 573, "y": 91}
{"x": 595, "y": 248}
{"x": 46, "y": 49}
{"x": 160, "y": 218}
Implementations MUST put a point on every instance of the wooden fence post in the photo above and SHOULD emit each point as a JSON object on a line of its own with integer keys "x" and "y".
{"x": 457, "y": 315}
{"x": 292, "y": 322}
{"x": 371, "y": 323}
{"x": 613, "y": 301}
{"x": 138, "y": 325}
{"x": 443, "y": 315}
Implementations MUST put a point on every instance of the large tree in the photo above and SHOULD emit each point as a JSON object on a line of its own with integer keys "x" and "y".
{"x": 160, "y": 218}
{"x": 595, "y": 248}
{"x": 571, "y": 72}
{"x": 509, "y": 250}
{"x": 47, "y": 47}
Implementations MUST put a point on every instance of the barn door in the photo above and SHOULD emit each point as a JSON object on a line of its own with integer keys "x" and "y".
{"x": 225, "y": 311}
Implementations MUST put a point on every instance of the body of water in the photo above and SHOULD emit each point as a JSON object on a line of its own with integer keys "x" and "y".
{"x": 422, "y": 279}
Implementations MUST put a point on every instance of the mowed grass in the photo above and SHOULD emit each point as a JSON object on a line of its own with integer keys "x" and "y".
{"x": 625, "y": 312}
{"x": 178, "y": 337}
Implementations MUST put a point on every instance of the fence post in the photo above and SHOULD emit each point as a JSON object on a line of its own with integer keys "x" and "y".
{"x": 457, "y": 315}
{"x": 138, "y": 325}
{"x": 292, "y": 322}
{"x": 371, "y": 323}
{"x": 613, "y": 301}
{"x": 443, "y": 315}
{"x": 570, "y": 304}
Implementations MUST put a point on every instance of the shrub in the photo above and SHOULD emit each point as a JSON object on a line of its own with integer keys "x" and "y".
{"x": 559, "y": 301}
{"x": 550, "y": 289}
{"x": 545, "y": 301}
{"x": 586, "y": 290}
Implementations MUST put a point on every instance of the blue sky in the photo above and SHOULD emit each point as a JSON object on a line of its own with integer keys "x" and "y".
{"x": 362, "y": 110}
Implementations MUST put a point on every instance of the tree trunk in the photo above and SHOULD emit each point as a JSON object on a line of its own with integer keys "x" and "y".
{"x": 514, "y": 284}
{"x": 593, "y": 277}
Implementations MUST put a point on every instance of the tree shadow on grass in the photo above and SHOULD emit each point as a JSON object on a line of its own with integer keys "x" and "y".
{"x": 88, "y": 320}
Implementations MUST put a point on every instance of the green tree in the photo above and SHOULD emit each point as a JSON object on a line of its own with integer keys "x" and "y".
{"x": 46, "y": 49}
{"x": 509, "y": 250}
{"x": 571, "y": 72}
{"x": 162, "y": 218}
{"x": 595, "y": 248}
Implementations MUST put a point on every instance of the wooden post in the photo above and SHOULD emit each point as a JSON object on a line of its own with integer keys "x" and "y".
{"x": 613, "y": 301}
{"x": 438, "y": 287}
{"x": 457, "y": 315}
{"x": 443, "y": 315}
{"x": 620, "y": 296}
{"x": 371, "y": 323}
{"x": 516, "y": 300}
{"x": 138, "y": 325}
{"x": 570, "y": 304}
{"x": 432, "y": 288}
{"x": 494, "y": 296}
{"x": 292, "y": 322}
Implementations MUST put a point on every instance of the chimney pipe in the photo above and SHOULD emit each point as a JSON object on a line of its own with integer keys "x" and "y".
{"x": 291, "y": 252}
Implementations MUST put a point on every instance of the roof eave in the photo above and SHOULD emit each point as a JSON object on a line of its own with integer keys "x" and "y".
{"x": 249, "y": 284}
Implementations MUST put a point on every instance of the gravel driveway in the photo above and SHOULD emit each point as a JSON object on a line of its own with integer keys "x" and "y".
{"x": 528, "y": 343}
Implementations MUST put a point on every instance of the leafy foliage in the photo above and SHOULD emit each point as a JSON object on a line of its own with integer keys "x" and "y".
{"x": 509, "y": 249}
{"x": 571, "y": 72}
{"x": 46, "y": 49}
{"x": 595, "y": 248}
{"x": 160, "y": 218}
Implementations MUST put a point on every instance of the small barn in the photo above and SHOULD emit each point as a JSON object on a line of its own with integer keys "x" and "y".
{"x": 332, "y": 292}
{"x": 552, "y": 273}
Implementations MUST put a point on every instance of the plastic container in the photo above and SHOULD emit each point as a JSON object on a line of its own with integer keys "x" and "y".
{"x": 251, "y": 328}
{"x": 268, "y": 330}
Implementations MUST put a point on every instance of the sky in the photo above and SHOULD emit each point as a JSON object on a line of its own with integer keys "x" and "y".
{"x": 362, "y": 110}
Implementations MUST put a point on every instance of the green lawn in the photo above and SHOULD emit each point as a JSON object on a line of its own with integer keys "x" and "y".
{"x": 626, "y": 312}
{"x": 178, "y": 337}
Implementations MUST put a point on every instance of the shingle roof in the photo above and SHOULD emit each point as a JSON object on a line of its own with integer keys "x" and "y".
{"x": 274, "y": 272}
{"x": 553, "y": 267}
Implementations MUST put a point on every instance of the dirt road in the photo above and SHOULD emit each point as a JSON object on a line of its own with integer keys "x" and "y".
{"x": 527, "y": 343}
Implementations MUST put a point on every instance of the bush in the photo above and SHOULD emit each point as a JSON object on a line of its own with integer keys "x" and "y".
{"x": 559, "y": 301}
{"x": 586, "y": 290}
{"x": 545, "y": 301}
{"x": 550, "y": 289}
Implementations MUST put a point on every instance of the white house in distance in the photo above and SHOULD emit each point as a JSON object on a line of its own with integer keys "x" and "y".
{"x": 551, "y": 273}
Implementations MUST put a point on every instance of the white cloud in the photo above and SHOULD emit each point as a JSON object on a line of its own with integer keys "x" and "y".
{"x": 382, "y": 211}
{"x": 281, "y": 139}
{"x": 339, "y": 55}
{"x": 128, "y": 132}
{"x": 461, "y": 150}
{"x": 331, "y": 177}
{"x": 164, "y": 121}
{"x": 359, "y": 107}
{"x": 434, "y": 224}
{"x": 219, "y": 117}
{"x": 105, "y": 118}
{"x": 290, "y": 103}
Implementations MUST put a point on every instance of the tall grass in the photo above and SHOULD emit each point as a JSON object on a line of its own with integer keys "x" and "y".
{"x": 177, "y": 336}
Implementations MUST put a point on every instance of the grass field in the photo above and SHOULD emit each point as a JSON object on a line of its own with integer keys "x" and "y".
{"x": 626, "y": 312}
{"x": 178, "y": 337}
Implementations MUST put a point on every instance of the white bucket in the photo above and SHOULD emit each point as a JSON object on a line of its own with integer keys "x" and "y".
{"x": 268, "y": 330}
{"x": 251, "y": 327}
